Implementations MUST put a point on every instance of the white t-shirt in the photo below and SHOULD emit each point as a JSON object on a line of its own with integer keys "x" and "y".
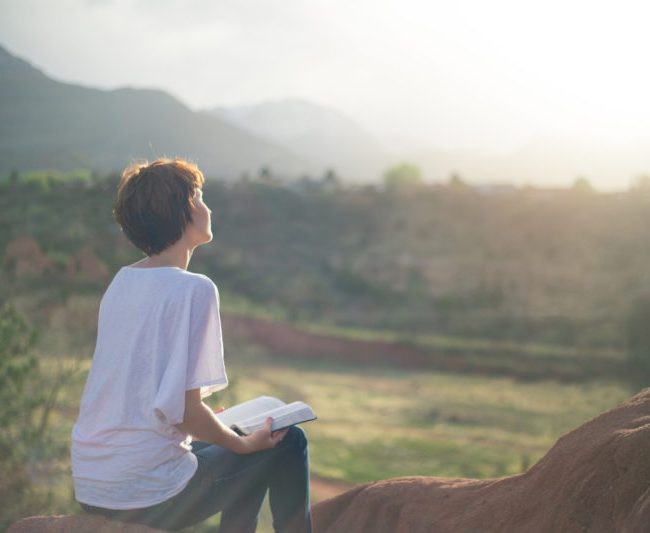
{"x": 158, "y": 335}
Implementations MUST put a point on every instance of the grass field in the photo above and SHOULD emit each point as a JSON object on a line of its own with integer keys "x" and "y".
{"x": 379, "y": 423}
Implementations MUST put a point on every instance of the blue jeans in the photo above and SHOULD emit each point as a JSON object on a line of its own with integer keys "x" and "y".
{"x": 235, "y": 485}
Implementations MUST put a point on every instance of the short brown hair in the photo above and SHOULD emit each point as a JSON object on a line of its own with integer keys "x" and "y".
{"x": 154, "y": 202}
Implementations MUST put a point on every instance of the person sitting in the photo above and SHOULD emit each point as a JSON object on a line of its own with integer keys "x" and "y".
{"x": 159, "y": 354}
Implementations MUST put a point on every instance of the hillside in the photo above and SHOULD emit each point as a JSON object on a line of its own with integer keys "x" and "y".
{"x": 529, "y": 266}
{"x": 46, "y": 124}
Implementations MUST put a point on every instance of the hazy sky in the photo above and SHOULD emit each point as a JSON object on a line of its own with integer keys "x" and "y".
{"x": 454, "y": 74}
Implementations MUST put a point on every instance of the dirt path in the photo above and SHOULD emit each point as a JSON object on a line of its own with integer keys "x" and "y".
{"x": 285, "y": 340}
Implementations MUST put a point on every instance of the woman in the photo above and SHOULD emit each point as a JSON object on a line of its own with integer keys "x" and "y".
{"x": 159, "y": 352}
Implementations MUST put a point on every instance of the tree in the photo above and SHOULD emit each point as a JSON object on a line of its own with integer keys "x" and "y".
{"x": 582, "y": 185}
{"x": 14, "y": 177}
{"x": 330, "y": 180}
{"x": 402, "y": 176}
{"x": 457, "y": 183}
{"x": 265, "y": 174}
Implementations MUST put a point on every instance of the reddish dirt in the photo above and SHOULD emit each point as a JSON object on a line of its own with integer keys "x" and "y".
{"x": 321, "y": 489}
{"x": 283, "y": 340}
{"x": 595, "y": 479}
{"x": 75, "y": 524}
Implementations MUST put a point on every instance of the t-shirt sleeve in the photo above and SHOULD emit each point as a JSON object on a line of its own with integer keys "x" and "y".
{"x": 205, "y": 365}
{"x": 196, "y": 360}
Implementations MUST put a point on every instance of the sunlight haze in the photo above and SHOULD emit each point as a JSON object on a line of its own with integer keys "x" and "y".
{"x": 466, "y": 75}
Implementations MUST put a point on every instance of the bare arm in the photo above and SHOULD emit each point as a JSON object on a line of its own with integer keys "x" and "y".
{"x": 200, "y": 422}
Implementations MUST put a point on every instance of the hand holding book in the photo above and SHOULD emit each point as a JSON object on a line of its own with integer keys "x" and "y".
{"x": 250, "y": 416}
{"x": 263, "y": 438}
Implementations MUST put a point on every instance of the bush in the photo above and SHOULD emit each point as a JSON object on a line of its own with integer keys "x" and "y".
{"x": 402, "y": 176}
{"x": 18, "y": 370}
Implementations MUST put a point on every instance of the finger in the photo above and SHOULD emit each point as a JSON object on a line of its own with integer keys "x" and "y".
{"x": 268, "y": 424}
{"x": 279, "y": 435}
{"x": 219, "y": 409}
{"x": 280, "y": 431}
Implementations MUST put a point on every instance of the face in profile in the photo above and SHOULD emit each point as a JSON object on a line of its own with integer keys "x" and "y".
{"x": 200, "y": 229}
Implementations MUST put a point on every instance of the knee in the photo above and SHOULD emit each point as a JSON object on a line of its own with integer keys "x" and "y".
{"x": 295, "y": 438}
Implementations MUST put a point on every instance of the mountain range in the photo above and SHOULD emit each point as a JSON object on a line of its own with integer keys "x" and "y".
{"x": 47, "y": 124}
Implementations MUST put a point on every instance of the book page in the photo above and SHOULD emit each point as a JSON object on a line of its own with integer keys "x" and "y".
{"x": 249, "y": 409}
{"x": 283, "y": 416}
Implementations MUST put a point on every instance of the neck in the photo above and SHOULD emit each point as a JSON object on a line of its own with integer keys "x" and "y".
{"x": 178, "y": 256}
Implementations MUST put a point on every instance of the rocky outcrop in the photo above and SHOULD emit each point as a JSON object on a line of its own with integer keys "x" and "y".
{"x": 595, "y": 479}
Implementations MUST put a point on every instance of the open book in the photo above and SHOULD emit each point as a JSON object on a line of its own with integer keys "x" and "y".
{"x": 247, "y": 417}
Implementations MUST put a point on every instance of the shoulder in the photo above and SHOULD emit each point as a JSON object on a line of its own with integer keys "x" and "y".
{"x": 204, "y": 282}
{"x": 200, "y": 286}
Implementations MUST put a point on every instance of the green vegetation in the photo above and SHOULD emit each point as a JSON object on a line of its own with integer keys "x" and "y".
{"x": 554, "y": 269}
{"x": 402, "y": 176}
{"x": 20, "y": 431}
{"x": 45, "y": 180}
